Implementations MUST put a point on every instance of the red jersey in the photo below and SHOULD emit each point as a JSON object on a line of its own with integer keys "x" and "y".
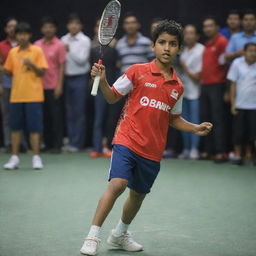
{"x": 144, "y": 123}
{"x": 213, "y": 69}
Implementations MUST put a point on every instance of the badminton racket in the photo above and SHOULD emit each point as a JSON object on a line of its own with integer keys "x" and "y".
{"x": 107, "y": 29}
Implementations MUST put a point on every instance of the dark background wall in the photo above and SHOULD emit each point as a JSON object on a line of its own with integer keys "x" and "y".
{"x": 185, "y": 11}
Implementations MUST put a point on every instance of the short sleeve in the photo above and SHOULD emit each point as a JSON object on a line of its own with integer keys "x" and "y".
{"x": 8, "y": 65}
{"x": 41, "y": 60}
{"x": 177, "y": 109}
{"x": 122, "y": 86}
{"x": 233, "y": 72}
{"x": 125, "y": 84}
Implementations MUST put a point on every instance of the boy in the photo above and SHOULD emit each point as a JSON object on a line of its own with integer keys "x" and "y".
{"x": 55, "y": 52}
{"x": 242, "y": 75}
{"x": 26, "y": 63}
{"x": 77, "y": 67}
{"x": 154, "y": 103}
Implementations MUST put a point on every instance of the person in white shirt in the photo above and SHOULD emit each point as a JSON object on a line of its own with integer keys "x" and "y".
{"x": 191, "y": 65}
{"x": 78, "y": 47}
{"x": 242, "y": 75}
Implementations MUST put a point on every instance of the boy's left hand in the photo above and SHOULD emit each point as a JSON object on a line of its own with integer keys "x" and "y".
{"x": 203, "y": 129}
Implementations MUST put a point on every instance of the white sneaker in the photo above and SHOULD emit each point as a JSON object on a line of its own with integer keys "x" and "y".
{"x": 37, "y": 162}
{"x": 90, "y": 246}
{"x": 124, "y": 242}
{"x": 13, "y": 163}
{"x": 194, "y": 154}
{"x": 184, "y": 154}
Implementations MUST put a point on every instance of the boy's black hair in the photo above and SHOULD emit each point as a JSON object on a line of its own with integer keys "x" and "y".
{"x": 171, "y": 27}
{"x": 8, "y": 20}
{"x": 48, "y": 20}
{"x": 249, "y": 11}
{"x": 130, "y": 14}
{"x": 74, "y": 17}
{"x": 211, "y": 17}
{"x": 233, "y": 11}
{"x": 247, "y": 45}
{"x": 23, "y": 27}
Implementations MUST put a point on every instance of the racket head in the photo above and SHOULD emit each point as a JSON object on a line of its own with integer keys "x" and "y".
{"x": 109, "y": 22}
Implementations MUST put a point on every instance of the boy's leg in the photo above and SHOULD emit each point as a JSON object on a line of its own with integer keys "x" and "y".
{"x": 35, "y": 142}
{"x": 115, "y": 188}
{"x": 132, "y": 206}
{"x": 34, "y": 123}
{"x": 16, "y": 123}
{"x": 16, "y": 138}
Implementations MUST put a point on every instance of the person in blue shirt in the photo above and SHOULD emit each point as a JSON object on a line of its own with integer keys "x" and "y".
{"x": 238, "y": 40}
{"x": 233, "y": 24}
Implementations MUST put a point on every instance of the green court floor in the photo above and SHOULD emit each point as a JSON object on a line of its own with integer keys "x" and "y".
{"x": 196, "y": 208}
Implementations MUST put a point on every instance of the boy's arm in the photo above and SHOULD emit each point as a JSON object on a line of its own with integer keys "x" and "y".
{"x": 233, "y": 98}
{"x": 110, "y": 96}
{"x": 181, "y": 124}
{"x": 33, "y": 67}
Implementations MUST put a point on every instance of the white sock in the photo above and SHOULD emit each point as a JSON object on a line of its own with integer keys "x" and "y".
{"x": 94, "y": 231}
{"x": 120, "y": 228}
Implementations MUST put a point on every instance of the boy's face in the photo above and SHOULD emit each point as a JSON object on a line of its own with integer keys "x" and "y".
{"x": 23, "y": 38}
{"x": 249, "y": 22}
{"x": 48, "y": 30}
{"x": 250, "y": 54}
{"x": 166, "y": 48}
{"x": 74, "y": 27}
{"x": 233, "y": 21}
{"x": 190, "y": 35}
{"x": 131, "y": 25}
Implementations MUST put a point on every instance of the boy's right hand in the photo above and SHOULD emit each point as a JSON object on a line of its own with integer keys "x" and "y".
{"x": 98, "y": 70}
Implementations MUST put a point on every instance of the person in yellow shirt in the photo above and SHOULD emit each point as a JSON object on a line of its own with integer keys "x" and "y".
{"x": 26, "y": 64}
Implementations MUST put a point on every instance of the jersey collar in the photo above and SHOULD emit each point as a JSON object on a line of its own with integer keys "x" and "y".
{"x": 155, "y": 70}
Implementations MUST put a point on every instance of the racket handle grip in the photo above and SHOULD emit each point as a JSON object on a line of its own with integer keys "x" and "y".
{"x": 96, "y": 82}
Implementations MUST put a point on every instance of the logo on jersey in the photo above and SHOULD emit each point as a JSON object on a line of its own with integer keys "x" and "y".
{"x": 150, "y": 85}
{"x": 145, "y": 101}
{"x": 175, "y": 94}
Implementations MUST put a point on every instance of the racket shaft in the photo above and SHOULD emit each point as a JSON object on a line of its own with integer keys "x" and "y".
{"x": 95, "y": 86}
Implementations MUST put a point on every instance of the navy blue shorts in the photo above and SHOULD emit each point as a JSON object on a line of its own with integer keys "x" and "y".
{"x": 28, "y": 116}
{"x": 139, "y": 171}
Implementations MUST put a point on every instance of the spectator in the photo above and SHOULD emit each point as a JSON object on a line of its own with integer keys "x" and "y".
{"x": 242, "y": 75}
{"x": 238, "y": 40}
{"x": 233, "y": 24}
{"x": 5, "y": 81}
{"x": 191, "y": 65}
{"x": 100, "y": 104}
{"x": 27, "y": 65}
{"x": 133, "y": 47}
{"x": 213, "y": 85}
{"x": 78, "y": 47}
{"x": 54, "y": 51}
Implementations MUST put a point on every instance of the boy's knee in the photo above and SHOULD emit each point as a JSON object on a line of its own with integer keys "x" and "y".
{"x": 117, "y": 186}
